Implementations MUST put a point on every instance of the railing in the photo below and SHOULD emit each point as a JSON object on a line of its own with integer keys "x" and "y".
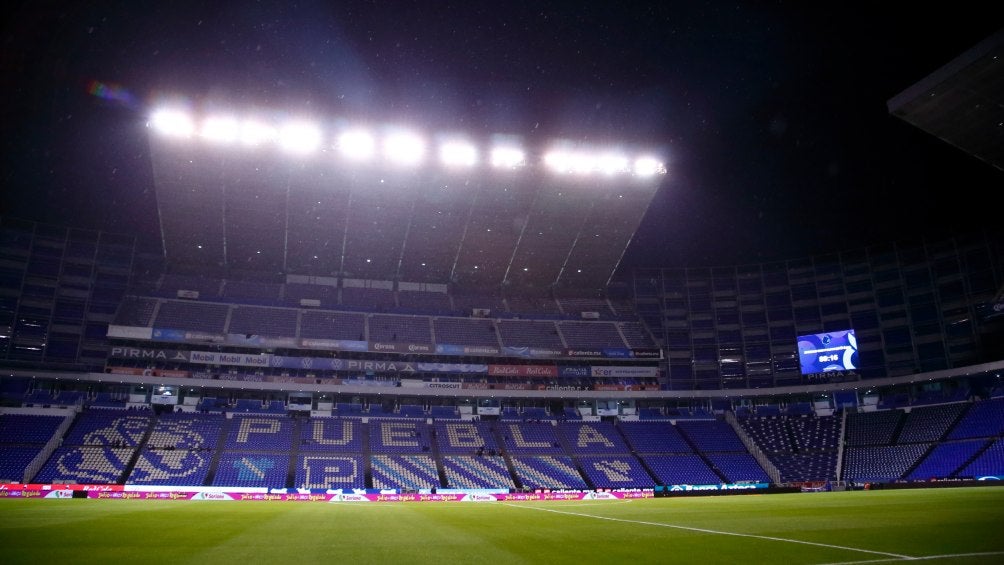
{"x": 50, "y": 446}
{"x": 754, "y": 449}
{"x": 839, "y": 472}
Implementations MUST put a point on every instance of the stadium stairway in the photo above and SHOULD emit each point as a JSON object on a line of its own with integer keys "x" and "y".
{"x": 516, "y": 480}
{"x": 697, "y": 451}
{"x": 294, "y": 454}
{"x": 979, "y": 453}
{"x": 436, "y": 457}
{"x": 50, "y": 447}
{"x": 934, "y": 445}
{"x": 582, "y": 473}
{"x": 842, "y": 444}
{"x": 155, "y": 312}
{"x": 641, "y": 460}
{"x": 367, "y": 455}
{"x": 569, "y": 452}
{"x": 958, "y": 418}
{"x": 506, "y": 456}
{"x": 755, "y": 450}
{"x": 221, "y": 441}
{"x": 790, "y": 433}
{"x": 136, "y": 452}
{"x": 923, "y": 457}
{"x": 900, "y": 424}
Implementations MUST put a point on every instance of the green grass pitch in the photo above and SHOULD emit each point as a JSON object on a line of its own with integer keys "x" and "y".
{"x": 951, "y": 525}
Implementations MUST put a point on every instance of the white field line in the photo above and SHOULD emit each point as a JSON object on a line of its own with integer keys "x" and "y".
{"x": 717, "y": 532}
{"x": 921, "y": 558}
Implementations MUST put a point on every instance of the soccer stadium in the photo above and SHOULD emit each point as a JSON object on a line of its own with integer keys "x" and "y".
{"x": 380, "y": 340}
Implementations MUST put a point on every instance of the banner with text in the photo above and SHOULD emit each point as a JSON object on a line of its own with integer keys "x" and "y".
{"x": 275, "y": 342}
{"x": 625, "y": 372}
{"x": 401, "y": 347}
{"x": 523, "y": 370}
{"x": 236, "y": 359}
{"x": 453, "y": 368}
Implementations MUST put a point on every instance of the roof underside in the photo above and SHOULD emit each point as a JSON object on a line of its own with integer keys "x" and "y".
{"x": 523, "y": 229}
{"x": 962, "y": 103}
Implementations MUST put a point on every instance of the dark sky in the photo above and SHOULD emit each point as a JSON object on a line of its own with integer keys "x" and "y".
{"x": 773, "y": 115}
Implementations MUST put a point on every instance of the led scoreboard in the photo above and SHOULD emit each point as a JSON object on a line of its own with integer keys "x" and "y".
{"x": 827, "y": 352}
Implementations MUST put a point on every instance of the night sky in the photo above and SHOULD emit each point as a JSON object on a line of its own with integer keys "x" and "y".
{"x": 772, "y": 116}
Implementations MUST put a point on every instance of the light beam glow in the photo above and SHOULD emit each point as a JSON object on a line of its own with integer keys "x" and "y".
{"x": 223, "y": 130}
{"x": 173, "y": 123}
{"x": 398, "y": 146}
{"x": 299, "y": 137}
{"x": 648, "y": 166}
{"x": 613, "y": 163}
{"x": 508, "y": 157}
{"x": 357, "y": 144}
{"x": 559, "y": 161}
{"x": 254, "y": 133}
{"x": 458, "y": 154}
{"x": 404, "y": 148}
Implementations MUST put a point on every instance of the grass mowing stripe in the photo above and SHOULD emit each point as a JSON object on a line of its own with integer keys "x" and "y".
{"x": 707, "y": 531}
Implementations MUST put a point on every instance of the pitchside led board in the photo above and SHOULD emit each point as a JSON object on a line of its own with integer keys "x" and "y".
{"x": 830, "y": 351}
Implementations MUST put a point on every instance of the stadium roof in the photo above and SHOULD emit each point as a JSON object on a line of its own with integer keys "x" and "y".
{"x": 525, "y": 228}
{"x": 962, "y": 103}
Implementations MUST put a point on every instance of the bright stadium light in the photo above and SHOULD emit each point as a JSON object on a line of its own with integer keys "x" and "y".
{"x": 582, "y": 163}
{"x": 299, "y": 137}
{"x": 559, "y": 161}
{"x": 508, "y": 157}
{"x": 404, "y": 148}
{"x": 255, "y": 133}
{"x": 458, "y": 154}
{"x": 357, "y": 144}
{"x": 454, "y": 149}
{"x": 613, "y": 163}
{"x": 648, "y": 166}
{"x": 174, "y": 123}
{"x": 223, "y": 130}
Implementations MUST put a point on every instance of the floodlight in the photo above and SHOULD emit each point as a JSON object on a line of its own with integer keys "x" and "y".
{"x": 613, "y": 163}
{"x": 458, "y": 154}
{"x": 582, "y": 163}
{"x": 648, "y": 166}
{"x": 356, "y": 144}
{"x": 173, "y": 123}
{"x": 224, "y": 130}
{"x": 559, "y": 161}
{"x": 299, "y": 137}
{"x": 507, "y": 156}
{"x": 256, "y": 133}
{"x": 404, "y": 148}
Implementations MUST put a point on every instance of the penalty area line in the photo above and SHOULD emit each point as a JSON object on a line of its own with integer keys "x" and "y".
{"x": 896, "y": 556}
